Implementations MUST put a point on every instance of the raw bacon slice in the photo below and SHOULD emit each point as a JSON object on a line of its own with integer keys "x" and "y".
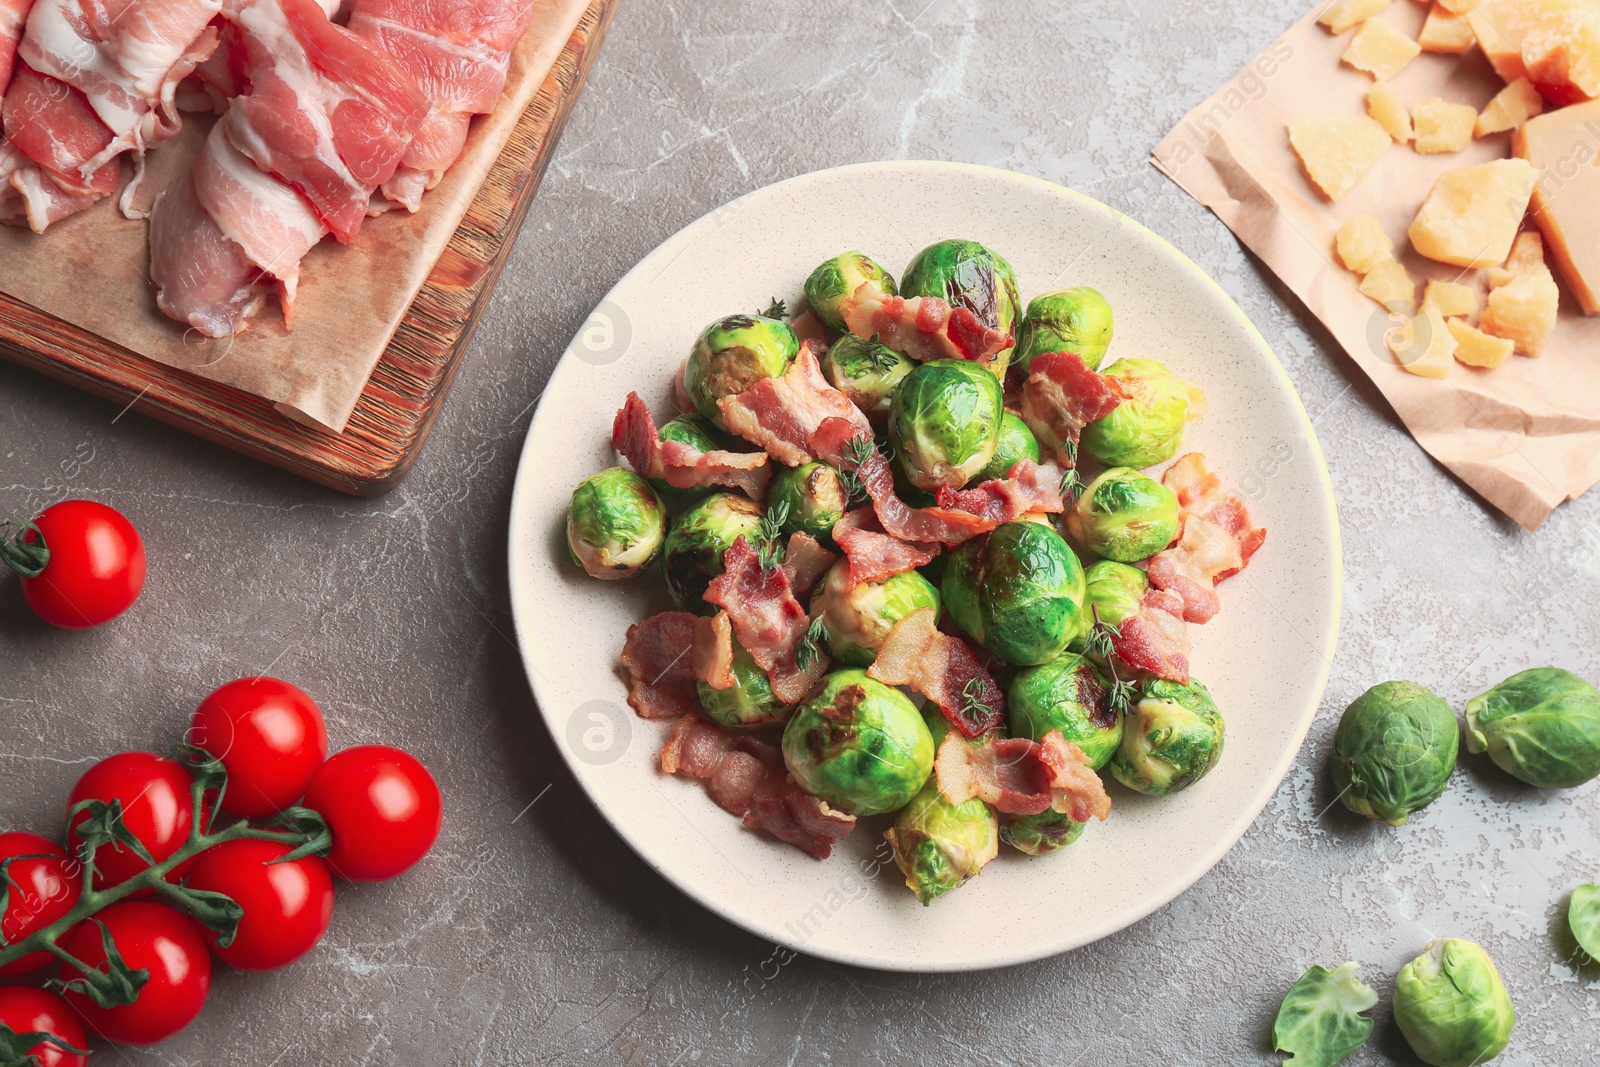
{"x": 767, "y": 619}
{"x": 805, "y": 560}
{"x": 1061, "y": 396}
{"x": 942, "y": 668}
{"x": 1021, "y": 777}
{"x": 805, "y": 821}
{"x": 796, "y": 416}
{"x": 459, "y": 52}
{"x": 873, "y": 554}
{"x": 634, "y": 434}
{"x": 713, "y": 651}
{"x": 1217, "y": 539}
{"x": 659, "y": 658}
{"x": 1154, "y": 638}
{"x": 202, "y": 278}
{"x": 52, "y": 134}
{"x": 13, "y": 17}
{"x": 1026, "y": 489}
{"x": 923, "y": 327}
{"x": 946, "y": 525}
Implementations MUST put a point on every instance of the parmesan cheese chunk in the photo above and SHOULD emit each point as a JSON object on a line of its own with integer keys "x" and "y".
{"x": 1390, "y": 285}
{"x": 1510, "y": 108}
{"x": 1424, "y": 346}
{"x": 1337, "y": 153}
{"x": 1441, "y": 126}
{"x": 1383, "y": 104}
{"x": 1447, "y": 33}
{"x": 1566, "y": 202}
{"x": 1523, "y": 298}
{"x": 1472, "y": 214}
{"x": 1380, "y": 49}
{"x": 1478, "y": 349}
{"x": 1342, "y": 14}
{"x": 1451, "y": 298}
{"x": 1362, "y": 244}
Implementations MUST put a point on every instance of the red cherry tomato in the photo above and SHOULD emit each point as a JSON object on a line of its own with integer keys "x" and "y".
{"x": 42, "y": 891}
{"x": 287, "y": 906}
{"x": 271, "y": 738}
{"x": 95, "y": 568}
{"x": 383, "y": 808}
{"x": 156, "y": 808}
{"x": 27, "y": 1010}
{"x": 151, "y": 937}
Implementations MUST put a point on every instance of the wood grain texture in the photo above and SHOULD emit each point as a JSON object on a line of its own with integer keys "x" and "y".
{"x": 391, "y": 421}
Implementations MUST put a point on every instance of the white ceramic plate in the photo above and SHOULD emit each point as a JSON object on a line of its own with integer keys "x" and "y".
{"x": 1265, "y": 657}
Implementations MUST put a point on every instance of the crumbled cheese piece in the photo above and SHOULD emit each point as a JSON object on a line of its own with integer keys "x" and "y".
{"x": 1510, "y": 108}
{"x": 1337, "y": 153}
{"x": 1472, "y": 214}
{"x": 1342, "y": 14}
{"x": 1446, "y": 33}
{"x": 1390, "y": 285}
{"x": 1380, "y": 49}
{"x": 1566, "y": 202}
{"x": 1425, "y": 346}
{"x": 1362, "y": 244}
{"x": 1451, "y": 298}
{"x": 1523, "y": 298}
{"x": 1441, "y": 126}
{"x": 1478, "y": 349}
{"x": 1383, "y": 104}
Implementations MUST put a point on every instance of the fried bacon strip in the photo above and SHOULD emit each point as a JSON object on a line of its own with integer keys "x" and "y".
{"x": 1061, "y": 396}
{"x": 767, "y": 619}
{"x": 801, "y": 819}
{"x": 899, "y": 519}
{"x": 942, "y": 668}
{"x": 658, "y": 656}
{"x": 805, "y": 560}
{"x": 1216, "y": 542}
{"x": 873, "y": 554}
{"x": 634, "y": 434}
{"x": 786, "y": 416}
{"x": 713, "y": 651}
{"x": 1021, "y": 777}
{"x": 1028, "y": 487}
{"x": 1155, "y": 638}
{"x": 923, "y": 327}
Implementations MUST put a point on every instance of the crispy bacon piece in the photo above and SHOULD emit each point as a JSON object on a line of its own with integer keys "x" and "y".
{"x": 805, "y": 560}
{"x": 1061, "y": 396}
{"x": 1027, "y": 488}
{"x": 901, "y": 520}
{"x": 923, "y": 327}
{"x": 785, "y": 416}
{"x": 658, "y": 656}
{"x": 873, "y": 554}
{"x": 1021, "y": 777}
{"x": 634, "y": 434}
{"x": 1200, "y": 492}
{"x": 942, "y": 668}
{"x": 1217, "y": 539}
{"x": 791, "y": 814}
{"x": 769, "y": 622}
{"x": 1154, "y": 638}
{"x": 713, "y": 651}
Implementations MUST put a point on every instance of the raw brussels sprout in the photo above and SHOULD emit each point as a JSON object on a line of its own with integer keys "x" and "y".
{"x": 696, "y": 542}
{"x": 1172, "y": 736}
{"x": 1042, "y": 834}
{"x": 812, "y": 497}
{"x": 1072, "y": 320}
{"x": 1018, "y": 591}
{"x": 1394, "y": 751}
{"x": 945, "y": 422}
{"x": 1068, "y": 694}
{"x": 859, "y": 618}
{"x": 840, "y": 277}
{"x": 966, "y": 274}
{"x": 1113, "y": 591}
{"x": 1015, "y": 442}
{"x": 749, "y": 701}
{"x": 1542, "y": 725}
{"x": 1320, "y": 1021}
{"x": 1123, "y": 515}
{"x": 1452, "y": 1006}
{"x": 734, "y": 353}
{"x": 939, "y": 845}
{"x": 615, "y": 524}
{"x": 868, "y": 372}
{"x": 1583, "y": 916}
{"x": 1147, "y": 428}
{"x": 697, "y": 432}
{"x": 859, "y": 745}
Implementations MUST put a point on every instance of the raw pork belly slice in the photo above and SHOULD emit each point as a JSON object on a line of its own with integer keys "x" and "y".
{"x": 13, "y": 17}
{"x": 459, "y": 52}
{"x": 52, "y": 134}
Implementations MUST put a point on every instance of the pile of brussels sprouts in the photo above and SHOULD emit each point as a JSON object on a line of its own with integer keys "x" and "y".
{"x": 1393, "y": 754}
{"x": 1043, "y": 600}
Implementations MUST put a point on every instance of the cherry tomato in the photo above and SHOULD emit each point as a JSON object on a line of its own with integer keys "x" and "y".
{"x": 287, "y": 906}
{"x": 383, "y": 808}
{"x": 42, "y": 891}
{"x": 156, "y": 808}
{"x": 27, "y": 1010}
{"x": 271, "y": 738}
{"x": 152, "y": 937}
{"x": 95, "y": 568}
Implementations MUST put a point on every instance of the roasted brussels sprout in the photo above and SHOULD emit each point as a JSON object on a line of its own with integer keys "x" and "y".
{"x": 811, "y": 497}
{"x": 1018, "y": 591}
{"x": 1068, "y": 694}
{"x": 868, "y": 372}
{"x": 1320, "y": 1022}
{"x": 749, "y": 701}
{"x": 1542, "y": 725}
{"x": 696, "y": 431}
{"x": 858, "y": 618}
{"x": 859, "y": 745}
{"x": 966, "y": 274}
{"x": 939, "y": 845}
{"x": 1583, "y": 917}
{"x": 945, "y": 422}
{"x": 734, "y": 353}
{"x": 1113, "y": 591}
{"x": 1452, "y": 1006}
{"x": 840, "y": 277}
{"x": 695, "y": 544}
{"x": 1042, "y": 834}
{"x": 1171, "y": 738}
{"x": 1394, "y": 751}
{"x": 1123, "y": 515}
{"x": 1072, "y": 320}
{"x": 1014, "y": 442}
{"x": 1147, "y": 428}
{"x": 615, "y": 524}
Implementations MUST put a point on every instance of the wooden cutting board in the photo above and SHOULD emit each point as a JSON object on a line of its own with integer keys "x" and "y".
{"x": 390, "y": 422}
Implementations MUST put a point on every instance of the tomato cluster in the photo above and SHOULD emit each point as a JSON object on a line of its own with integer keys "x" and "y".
{"x": 137, "y": 810}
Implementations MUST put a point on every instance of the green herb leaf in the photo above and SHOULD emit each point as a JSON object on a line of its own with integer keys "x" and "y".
{"x": 113, "y": 987}
{"x": 769, "y": 548}
{"x": 778, "y": 309}
{"x": 26, "y": 559}
{"x": 882, "y": 356}
{"x": 809, "y": 650}
{"x": 973, "y": 707}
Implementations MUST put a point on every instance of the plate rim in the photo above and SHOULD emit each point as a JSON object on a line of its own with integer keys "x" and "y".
{"x": 1279, "y": 768}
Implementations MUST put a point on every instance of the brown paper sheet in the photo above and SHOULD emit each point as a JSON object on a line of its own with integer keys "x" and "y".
{"x": 1526, "y": 435}
{"x": 92, "y": 270}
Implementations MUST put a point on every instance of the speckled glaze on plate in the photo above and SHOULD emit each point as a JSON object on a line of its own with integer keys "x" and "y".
{"x": 1265, "y": 657}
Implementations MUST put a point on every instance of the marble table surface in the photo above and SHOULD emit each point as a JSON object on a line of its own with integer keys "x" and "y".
{"x": 532, "y": 934}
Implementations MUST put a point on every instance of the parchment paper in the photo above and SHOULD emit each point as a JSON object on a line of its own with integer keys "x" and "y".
{"x": 92, "y": 269}
{"x": 1525, "y": 435}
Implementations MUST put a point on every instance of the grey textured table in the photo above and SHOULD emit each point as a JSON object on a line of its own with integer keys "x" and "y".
{"x": 532, "y": 934}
